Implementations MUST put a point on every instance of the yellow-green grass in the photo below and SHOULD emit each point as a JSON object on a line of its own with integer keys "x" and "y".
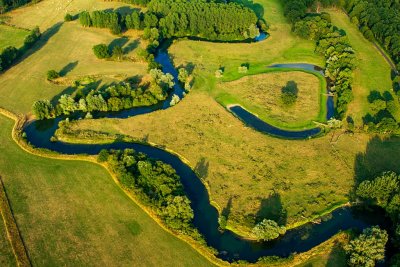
{"x": 6, "y": 254}
{"x": 73, "y": 213}
{"x": 70, "y": 48}
{"x": 240, "y": 164}
{"x": 11, "y": 36}
{"x": 372, "y": 73}
{"x": 261, "y": 94}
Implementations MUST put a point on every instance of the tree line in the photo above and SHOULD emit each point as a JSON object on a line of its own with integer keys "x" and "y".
{"x": 378, "y": 20}
{"x": 6, "y": 5}
{"x": 124, "y": 95}
{"x": 210, "y": 20}
{"x": 10, "y": 54}
{"x": 331, "y": 42}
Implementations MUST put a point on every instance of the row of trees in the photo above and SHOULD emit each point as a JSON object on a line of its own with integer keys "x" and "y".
{"x": 210, "y": 20}
{"x": 378, "y": 20}
{"x": 155, "y": 183}
{"x": 384, "y": 191}
{"x": 339, "y": 55}
{"x": 112, "y": 98}
{"x": 10, "y": 53}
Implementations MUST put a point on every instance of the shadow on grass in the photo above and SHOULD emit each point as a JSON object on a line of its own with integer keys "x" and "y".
{"x": 271, "y": 208}
{"x": 118, "y": 42}
{"x": 131, "y": 46}
{"x": 381, "y": 154}
{"x": 68, "y": 68}
{"x": 256, "y": 7}
{"x": 337, "y": 257}
{"x": 202, "y": 168}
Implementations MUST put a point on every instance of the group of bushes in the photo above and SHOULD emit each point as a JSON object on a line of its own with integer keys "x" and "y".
{"x": 10, "y": 53}
{"x": 154, "y": 183}
{"x": 117, "y": 97}
{"x": 102, "y": 51}
{"x": 210, "y": 20}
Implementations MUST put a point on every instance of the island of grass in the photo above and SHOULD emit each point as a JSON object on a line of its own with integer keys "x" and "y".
{"x": 262, "y": 94}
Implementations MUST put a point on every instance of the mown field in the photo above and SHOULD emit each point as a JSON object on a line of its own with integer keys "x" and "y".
{"x": 11, "y": 36}
{"x": 372, "y": 73}
{"x": 72, "y": 213}
{"x": 6, "y": 254}
{"x": 26, "y": 82}
{"x": 261, "y": 94}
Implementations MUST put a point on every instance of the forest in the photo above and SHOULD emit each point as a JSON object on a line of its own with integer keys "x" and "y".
{"x": 213, "y": 21}
{"x": 378, "y": 20}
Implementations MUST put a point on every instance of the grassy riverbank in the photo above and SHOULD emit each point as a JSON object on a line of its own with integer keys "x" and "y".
{"x": 72, "y": 213}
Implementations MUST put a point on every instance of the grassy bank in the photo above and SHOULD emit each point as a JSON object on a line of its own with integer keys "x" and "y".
{"x": 7, "y": 257}
{"x": 72, "y": 213}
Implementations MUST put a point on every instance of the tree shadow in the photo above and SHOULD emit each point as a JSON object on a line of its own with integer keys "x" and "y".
{"x": 39, "y": 44}
{"x": 126, "y": 10}
{"x": 202, "y": 168}
{"x": 271, "y": 208}
{"x": 68, "y": 68}
{"x": 381, "y": 154}
{"x": 375, "y": 95}
{"x": 227, "y": 210}
{"x": 256, "y": 7}
{"x": 69, "y": 91}
{"x": 118, "y": 42}
{"x": 131, "y": 46}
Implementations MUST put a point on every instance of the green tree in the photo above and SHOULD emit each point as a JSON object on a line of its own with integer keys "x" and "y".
{"x": 289, "y": 93}
{"x": 43, "y": 109}
{"x": 268, "y": 230}
{"x": 182, "y": 75}
{"x": 368, "y": 248}
{"x": 117, "y": 52}
{"x": 52, "y": 74}
{"x": 101, "y": 51}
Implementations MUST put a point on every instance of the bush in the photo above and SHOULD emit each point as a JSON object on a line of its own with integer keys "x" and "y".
{"x": 101, "y": 51}
{"x": 52, "y": 74}
{"x": 268, "y": 230}
{"x": 68, "y": 17}
{"x": 103, "y": 155}
{"x": 289, "y": 93}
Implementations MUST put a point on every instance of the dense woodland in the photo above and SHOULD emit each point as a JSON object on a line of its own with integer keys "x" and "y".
{"x": 209, "y": 20}
{"x": 6, "y": 5}
{"x": 378, "y": 20}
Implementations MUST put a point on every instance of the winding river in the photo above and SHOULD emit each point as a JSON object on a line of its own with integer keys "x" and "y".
{"x": 230, "y": 247}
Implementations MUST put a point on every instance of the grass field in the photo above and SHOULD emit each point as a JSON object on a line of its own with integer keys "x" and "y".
{"x": 11, "y": 36}
{"x": 6, "y": 254}
{"x": 372, "y": 73}
{"x": 26, "y": 82}
{"x": 261, "y": 94}
{"x": 72, "y": 213}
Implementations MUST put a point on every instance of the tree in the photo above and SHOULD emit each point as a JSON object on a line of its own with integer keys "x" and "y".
{"x": 368, "y": 248}
{"x": 268, "y": 230}
{"x": 68, "y": 17}
{"x": 178, "y": 213}
{"x": 289, "y": 93}
{"x": 43, "y": 109}
{"x": 52, "y": 74}
{"x": 101, "y": 51}
{"x": 67, "y": 104}
{"x": 117, "y": 52}
{"x": 103, "y": 155}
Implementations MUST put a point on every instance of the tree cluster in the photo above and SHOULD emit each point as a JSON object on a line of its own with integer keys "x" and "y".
{"x": 117, "y": 97}
{"x": 102, "y": 19}
{"x": 155, "y": 183}
{"x": 9, "y": 54}
{"x": 267, "y": 230}
{"x": 6, "y": 5}
{"x": 384, "y": 191}
{"x": 378, "y": 20}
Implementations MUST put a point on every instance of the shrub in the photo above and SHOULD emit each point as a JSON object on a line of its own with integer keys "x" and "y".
{"x": 289, "y": 93}
{"x": 101, "y": 51}
{"x": 68, "y": 17}
{"x": 52, "y": 74}
{"x": 268, "y": 230}
{"x": 103, "y": 155}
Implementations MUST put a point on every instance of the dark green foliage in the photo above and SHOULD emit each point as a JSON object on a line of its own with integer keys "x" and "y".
{"x": 6, "y": 5}
{"x": 289, "y": 93}
{"x": 103, "y": 155}
{"x": 52, "y": 74}
{"x": 102, "y": 19}
{"x": 8, "y": 56}
{"x": 155, "y": 183}
{"x": 43, "y": 109}
{"x": 136, "y": 2}
{"x": 379, "y": 20}
{"x": 32, "y": 37}
{"x": 368, "y": 248}
{"x": 68, "y": 17}
{"x": 101, "y": 51}
{"x": 133, "y": 20}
